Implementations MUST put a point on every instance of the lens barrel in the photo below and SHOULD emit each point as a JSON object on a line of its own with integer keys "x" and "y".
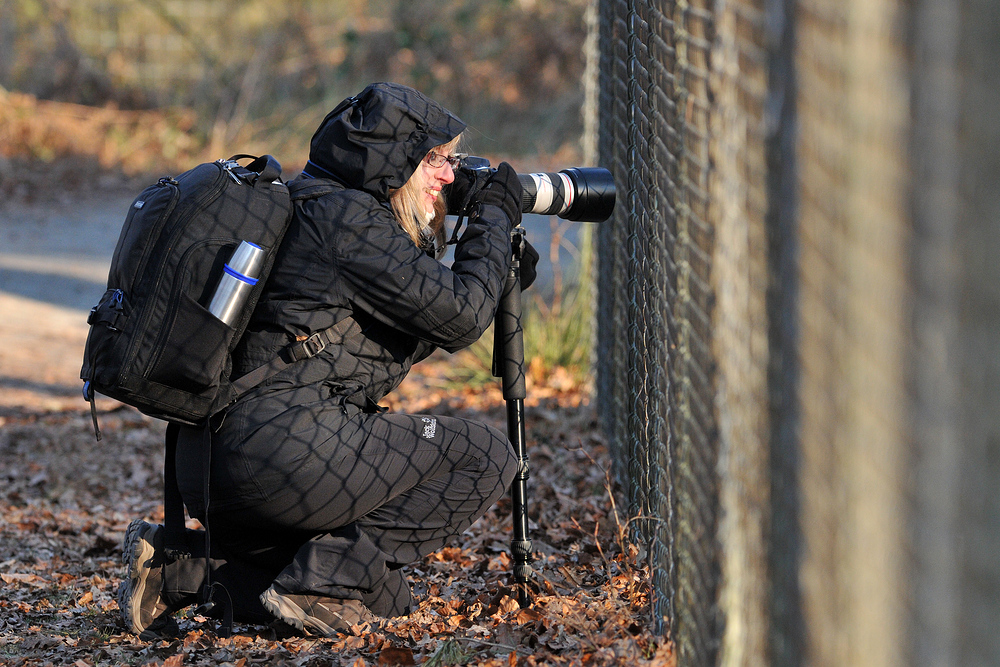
{"x": 580, "y": 194}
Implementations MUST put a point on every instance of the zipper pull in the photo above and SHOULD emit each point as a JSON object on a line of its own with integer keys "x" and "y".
{"x": 228, "y": 166}
{"x": 118, "y": 306}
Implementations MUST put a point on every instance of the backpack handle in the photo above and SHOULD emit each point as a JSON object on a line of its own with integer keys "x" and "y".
{"x": 267, "y": 168}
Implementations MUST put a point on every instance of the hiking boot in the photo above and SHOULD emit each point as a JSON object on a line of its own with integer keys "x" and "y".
{"x": 315, "y": 614}
{"x": 143, "y": 611}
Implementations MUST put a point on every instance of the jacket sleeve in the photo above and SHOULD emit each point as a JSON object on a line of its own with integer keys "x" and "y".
{"x": 395, "y": 282}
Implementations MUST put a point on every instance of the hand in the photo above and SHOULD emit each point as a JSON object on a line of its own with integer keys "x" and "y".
{"x": 503, "y": 189}
{"x": 529, "y": 258}
{"x": 459, "y": 192}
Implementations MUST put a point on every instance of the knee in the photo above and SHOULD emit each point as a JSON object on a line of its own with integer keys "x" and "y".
{"x": 485, "y": 459}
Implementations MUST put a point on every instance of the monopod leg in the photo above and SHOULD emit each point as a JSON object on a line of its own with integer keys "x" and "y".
{"x": 508, "y": 364}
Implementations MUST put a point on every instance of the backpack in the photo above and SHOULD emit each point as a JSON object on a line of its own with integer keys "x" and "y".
{"x": 153, "y": 344}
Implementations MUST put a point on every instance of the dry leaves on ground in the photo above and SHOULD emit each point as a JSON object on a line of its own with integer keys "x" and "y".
{"x": 66, "y": 501}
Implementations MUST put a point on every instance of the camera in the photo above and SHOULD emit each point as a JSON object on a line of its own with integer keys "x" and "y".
{"x": 579, "y": 194}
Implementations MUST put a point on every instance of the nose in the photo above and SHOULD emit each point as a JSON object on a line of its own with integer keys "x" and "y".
{"x": 447, "y": 174}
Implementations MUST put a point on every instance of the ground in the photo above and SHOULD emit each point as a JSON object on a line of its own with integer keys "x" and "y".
{"x": 65, "y": 500}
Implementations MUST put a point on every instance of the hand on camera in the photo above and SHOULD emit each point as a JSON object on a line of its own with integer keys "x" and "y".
{"x": 460, "y": 191}
{"x": 503, "y": 189}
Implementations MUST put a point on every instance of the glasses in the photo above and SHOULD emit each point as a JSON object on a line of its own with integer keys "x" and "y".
{"x": 436, "y": 160}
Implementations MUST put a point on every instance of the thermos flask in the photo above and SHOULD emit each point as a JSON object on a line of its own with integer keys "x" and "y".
{"x": 238, "y": 278}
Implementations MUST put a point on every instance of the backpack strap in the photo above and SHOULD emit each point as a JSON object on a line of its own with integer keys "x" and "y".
{"x": 176, "y": 546}
{"x": 295, "y": 352}
{"x": 265, "y": 169}
{"x": 300, "y": 190}
{"x": 173, "y": 505}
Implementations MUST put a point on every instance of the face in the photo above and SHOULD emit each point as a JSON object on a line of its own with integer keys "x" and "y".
{"x": 430, "y": 180}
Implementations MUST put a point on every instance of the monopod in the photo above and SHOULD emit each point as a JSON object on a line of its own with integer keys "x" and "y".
{"x": 579, "y": 195}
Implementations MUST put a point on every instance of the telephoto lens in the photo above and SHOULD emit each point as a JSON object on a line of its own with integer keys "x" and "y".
{"x": 580, "y": 194}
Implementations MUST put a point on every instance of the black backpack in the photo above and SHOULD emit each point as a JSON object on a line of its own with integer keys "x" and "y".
{"x": 153, "y": 344}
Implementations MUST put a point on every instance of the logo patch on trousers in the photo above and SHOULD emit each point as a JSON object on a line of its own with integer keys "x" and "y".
{"x": 430, "y": 426}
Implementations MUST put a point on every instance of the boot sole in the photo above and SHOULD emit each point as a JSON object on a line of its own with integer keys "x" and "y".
{"x": 292, "y": 614}
{"x": 135, "y": 554}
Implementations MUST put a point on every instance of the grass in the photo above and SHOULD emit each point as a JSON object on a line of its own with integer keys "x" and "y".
{"x": 558, "y": 327}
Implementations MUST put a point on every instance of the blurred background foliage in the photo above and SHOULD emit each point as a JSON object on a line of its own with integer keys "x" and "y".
{"x": 92, "y": 91}
{"x": 217, "y": 75}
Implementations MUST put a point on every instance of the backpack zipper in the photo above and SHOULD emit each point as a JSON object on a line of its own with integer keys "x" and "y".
{"x": 228, "y": 166}
{"x": 163, "y": 182}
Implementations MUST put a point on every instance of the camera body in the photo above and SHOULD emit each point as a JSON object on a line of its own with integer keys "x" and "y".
{"x": 580, "y": 194}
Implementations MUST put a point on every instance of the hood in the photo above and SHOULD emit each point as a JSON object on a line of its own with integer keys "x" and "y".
{"x": 375, "y": 140}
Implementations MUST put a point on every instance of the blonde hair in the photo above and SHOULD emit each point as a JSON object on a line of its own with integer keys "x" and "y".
{"x": 409, "y": 212}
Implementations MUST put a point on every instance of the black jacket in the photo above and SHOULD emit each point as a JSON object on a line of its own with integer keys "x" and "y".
{"x": 345, "y": 255}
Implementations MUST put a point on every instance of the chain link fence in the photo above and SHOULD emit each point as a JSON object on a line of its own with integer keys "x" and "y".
{"x": 658, "y": 374}
{"x": 796, "y": 340}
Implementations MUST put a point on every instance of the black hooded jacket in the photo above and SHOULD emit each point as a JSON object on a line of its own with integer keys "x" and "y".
{"x": 346, "y": 255}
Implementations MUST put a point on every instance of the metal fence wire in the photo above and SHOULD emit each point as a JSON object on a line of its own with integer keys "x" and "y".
{"x": 798, "y": 323}
{"x": 683, "y": 273}
{"x": 655, "y": 376}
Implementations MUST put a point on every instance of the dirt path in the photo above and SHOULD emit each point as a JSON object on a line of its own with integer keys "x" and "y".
{"x": 54, "y": 260}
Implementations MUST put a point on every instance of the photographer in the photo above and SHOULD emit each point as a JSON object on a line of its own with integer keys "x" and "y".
{"x": 318, "y": 497}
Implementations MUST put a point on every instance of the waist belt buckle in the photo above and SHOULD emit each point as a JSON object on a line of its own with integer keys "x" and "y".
{"x": 312, "y": 346}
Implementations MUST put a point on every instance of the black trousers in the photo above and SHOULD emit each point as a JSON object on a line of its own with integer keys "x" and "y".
{"x": 328, "y": 500}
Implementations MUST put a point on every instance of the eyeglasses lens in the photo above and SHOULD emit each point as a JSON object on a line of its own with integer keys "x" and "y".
{"x": 436, "y": 160}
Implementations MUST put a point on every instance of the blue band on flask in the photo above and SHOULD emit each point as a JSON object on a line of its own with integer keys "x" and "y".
{"x": 239, "y": 276}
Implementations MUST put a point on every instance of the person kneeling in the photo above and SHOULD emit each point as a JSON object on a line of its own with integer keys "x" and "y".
{"x": 318, "y": 496}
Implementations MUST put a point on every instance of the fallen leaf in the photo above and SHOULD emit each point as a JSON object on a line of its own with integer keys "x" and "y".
{"x": 39, "y": 641}
{"x": 396, "y": 655}
{"x": 507, "y": 604}
{"x": 527, "y": 615}
{"x": 30, "y": 579}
